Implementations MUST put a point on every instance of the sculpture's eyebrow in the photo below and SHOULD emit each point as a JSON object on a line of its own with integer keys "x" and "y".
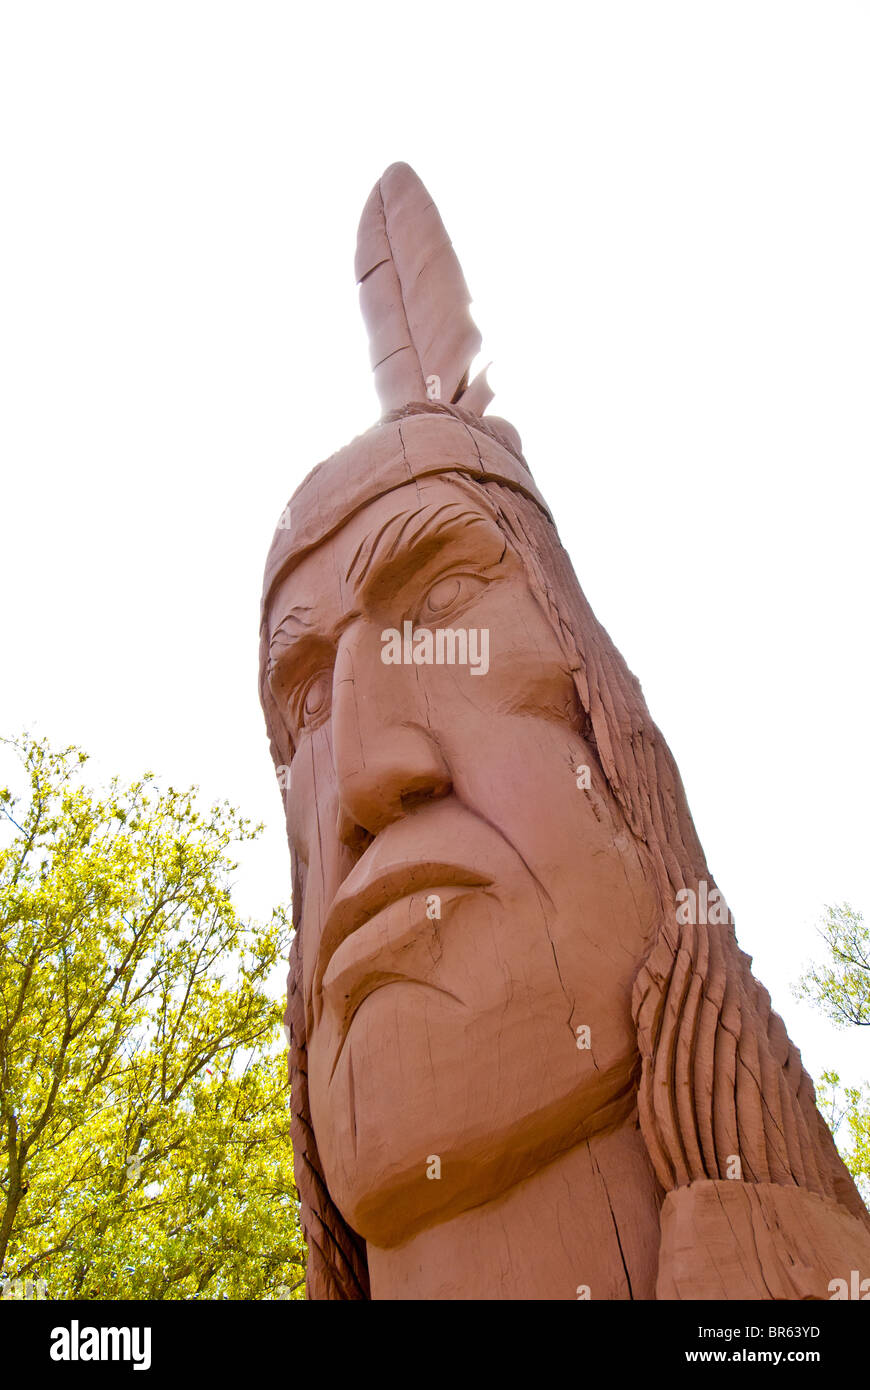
{"x": 292, "y": 628}
{"x": 296, "y": 636}
{"x": 414, "y": 530}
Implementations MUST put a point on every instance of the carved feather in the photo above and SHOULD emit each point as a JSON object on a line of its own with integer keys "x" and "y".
{"x": 414, "y": 299}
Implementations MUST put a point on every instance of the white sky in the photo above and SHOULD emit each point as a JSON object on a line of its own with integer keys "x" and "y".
{"x": 663, "y": 213}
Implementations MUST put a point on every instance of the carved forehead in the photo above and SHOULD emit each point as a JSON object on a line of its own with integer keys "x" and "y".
{"x": 419, "y": 516}
{"x": 379, "y": 463}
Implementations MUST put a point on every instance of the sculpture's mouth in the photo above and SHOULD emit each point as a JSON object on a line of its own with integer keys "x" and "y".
{"x": 399, "y": 944}
{"x": 370, "y": 889}
{"x": 385, "y": 921}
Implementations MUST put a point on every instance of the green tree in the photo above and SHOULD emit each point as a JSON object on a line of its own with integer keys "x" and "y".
{"x": 144, "y": 1117}
{"x": 851, "y": 1105}
{"x": 840, "y": 987}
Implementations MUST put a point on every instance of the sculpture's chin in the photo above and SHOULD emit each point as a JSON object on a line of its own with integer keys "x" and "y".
{"x": 435, "y": 1122}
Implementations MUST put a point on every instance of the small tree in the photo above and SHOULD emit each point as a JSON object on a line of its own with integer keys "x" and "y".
{"x": 840, "y": 987}
{"x": 852, "y": 1104}
{"x": 143, "y": 1104}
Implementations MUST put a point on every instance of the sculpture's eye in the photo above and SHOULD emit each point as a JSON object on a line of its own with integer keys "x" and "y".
{"x": 451, "y": 592}
{"x": 313, "y": 701}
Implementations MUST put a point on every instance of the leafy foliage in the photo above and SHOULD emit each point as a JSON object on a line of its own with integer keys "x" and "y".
{"x": 840, "y": 987}
{"x": 143, "y": 1102}
{"x": 852, "y": 1104}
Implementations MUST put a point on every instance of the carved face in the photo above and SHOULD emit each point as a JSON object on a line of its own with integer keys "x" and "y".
{"x": 472, "y": 917}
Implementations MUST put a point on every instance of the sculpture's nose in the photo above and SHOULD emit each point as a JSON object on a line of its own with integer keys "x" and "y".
{"x": 387, "y": 759}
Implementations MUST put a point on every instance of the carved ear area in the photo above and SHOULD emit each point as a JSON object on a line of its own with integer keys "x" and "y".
{"x": 414, "y": 299}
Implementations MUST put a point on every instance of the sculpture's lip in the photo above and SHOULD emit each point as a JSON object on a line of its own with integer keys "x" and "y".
{"x": 402, "y": 928}
{"x": 367, "y": 891}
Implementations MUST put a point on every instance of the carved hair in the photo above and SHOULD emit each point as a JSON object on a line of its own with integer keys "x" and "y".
{"x": 719, "y": 1076}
